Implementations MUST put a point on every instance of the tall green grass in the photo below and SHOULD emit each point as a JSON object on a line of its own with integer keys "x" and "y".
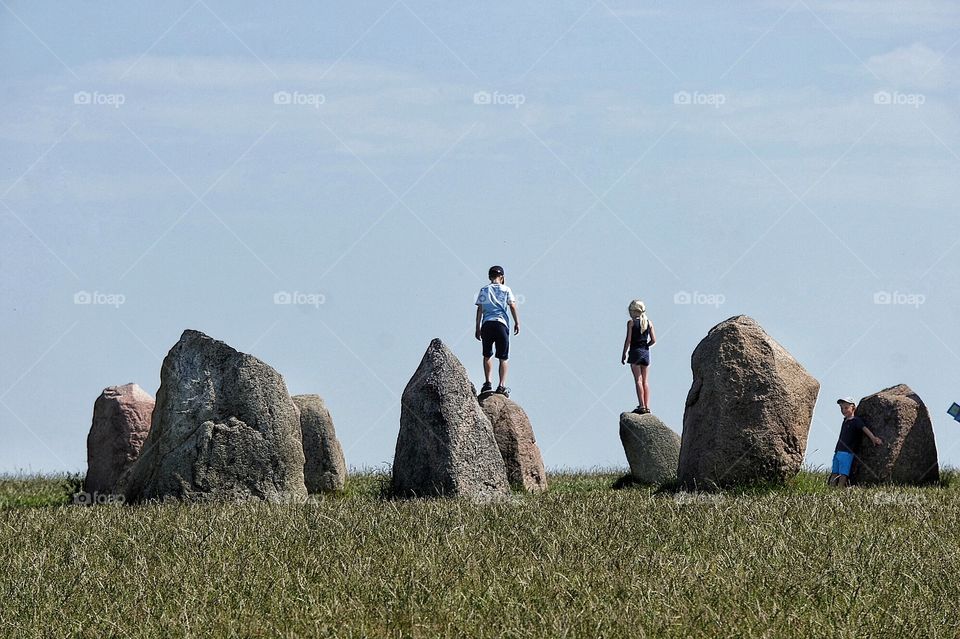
{"x": 31, "y": 489}
{"x": 581, "y": 560}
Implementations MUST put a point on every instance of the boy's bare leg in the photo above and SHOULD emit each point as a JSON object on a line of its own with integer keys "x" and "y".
{"x": 487, "y": 369}
{"x": 503, "y": 372}
{"x": 843, "y": 481}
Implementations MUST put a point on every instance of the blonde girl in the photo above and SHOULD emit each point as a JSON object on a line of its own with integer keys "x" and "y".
{"x": 636, "y": 351}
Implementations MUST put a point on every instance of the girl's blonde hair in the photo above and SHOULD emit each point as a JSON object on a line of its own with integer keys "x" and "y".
{"x": 638, "y": 310}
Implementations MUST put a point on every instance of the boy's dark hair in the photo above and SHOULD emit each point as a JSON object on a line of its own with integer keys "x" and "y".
{"x": 495, "y": 271}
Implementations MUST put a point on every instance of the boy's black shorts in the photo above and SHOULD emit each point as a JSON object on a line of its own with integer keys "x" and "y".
{"x": 494, "y": 332}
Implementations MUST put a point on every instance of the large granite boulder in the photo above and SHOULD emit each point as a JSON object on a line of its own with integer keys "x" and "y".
{"x": 517, "y": 444}
{"x": 121, "y": 422}
{"x": 748, "y": 411}
{"x": 446, "y": 444}
{"x": 908, "y": 454}
{"x": 224, "y": 429}
{"x": 324, "y": 467}
{"x": 652, "y": 448}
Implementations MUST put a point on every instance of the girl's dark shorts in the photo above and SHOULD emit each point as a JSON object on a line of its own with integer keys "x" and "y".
{"x": 494, "y": 332}
{"x": 640, "y": 356}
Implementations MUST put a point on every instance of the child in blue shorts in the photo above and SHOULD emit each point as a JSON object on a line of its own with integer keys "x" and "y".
{"x": 848, "y": 445}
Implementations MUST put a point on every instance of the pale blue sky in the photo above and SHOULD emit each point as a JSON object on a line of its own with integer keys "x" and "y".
{"x": 146, "y": 157}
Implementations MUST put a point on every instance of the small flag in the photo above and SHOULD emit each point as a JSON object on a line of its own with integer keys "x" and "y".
{"x": 955, "y": 411}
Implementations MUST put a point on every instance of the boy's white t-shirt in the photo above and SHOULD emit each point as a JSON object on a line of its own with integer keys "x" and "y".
{"x": 494, "y": 299}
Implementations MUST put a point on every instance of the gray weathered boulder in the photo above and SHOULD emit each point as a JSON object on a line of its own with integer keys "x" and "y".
{"x": 446, "y": 444}
{"x": 121, "y": 422}
{"x": 908, "y": 454}
{"x": 652, "y": 448}
{"x": 517, "y": 443}
{"x": 748, "y": 411}
{"x": 324, "y": 467}
{"x": 224, "y": 429}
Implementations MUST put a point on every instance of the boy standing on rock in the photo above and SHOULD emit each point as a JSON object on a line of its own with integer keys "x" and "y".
{"x": 493, "y": 327}
{"x": 848, "y": 445}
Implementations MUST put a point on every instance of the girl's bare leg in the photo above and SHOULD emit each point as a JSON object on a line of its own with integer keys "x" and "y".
{"x": 644, "y": 387}
{"x": 638, "y": 382}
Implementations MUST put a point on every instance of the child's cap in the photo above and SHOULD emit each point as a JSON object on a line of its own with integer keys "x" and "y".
{"x": 495, "y": 271}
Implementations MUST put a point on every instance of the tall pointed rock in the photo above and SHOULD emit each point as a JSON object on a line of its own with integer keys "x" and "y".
{"x": 446, "y": 444}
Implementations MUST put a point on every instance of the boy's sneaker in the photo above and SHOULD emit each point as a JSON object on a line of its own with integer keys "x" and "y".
{"x": 639, "y": 410}
{"x": 503, "y": 390}
{"x": 486, "y": 388}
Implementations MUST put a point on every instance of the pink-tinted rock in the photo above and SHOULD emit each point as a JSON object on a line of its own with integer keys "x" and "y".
{"x": 121, "y": 422}
{"x": 517, "y": 444}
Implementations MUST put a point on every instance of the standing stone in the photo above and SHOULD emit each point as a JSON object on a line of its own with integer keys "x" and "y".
{"x": 446, "y": 444}
{"x": 324, "y": 467}
{"x": 748, "y": 411}
{"x": 517, "y": 444}
{"x": 908, "y": 454}
{"x": 224, "y": 429}
{"x": 652, "y": 448}
{"x": 121, "y": 421}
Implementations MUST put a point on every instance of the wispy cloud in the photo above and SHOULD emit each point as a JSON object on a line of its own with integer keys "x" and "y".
{"x": 916, "y": 65}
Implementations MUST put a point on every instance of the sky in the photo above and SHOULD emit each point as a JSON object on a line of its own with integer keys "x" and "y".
{"x": 324, "y": 186}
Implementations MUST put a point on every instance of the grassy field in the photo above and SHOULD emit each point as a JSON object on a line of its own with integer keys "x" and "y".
{"x": 582, "y": 560}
